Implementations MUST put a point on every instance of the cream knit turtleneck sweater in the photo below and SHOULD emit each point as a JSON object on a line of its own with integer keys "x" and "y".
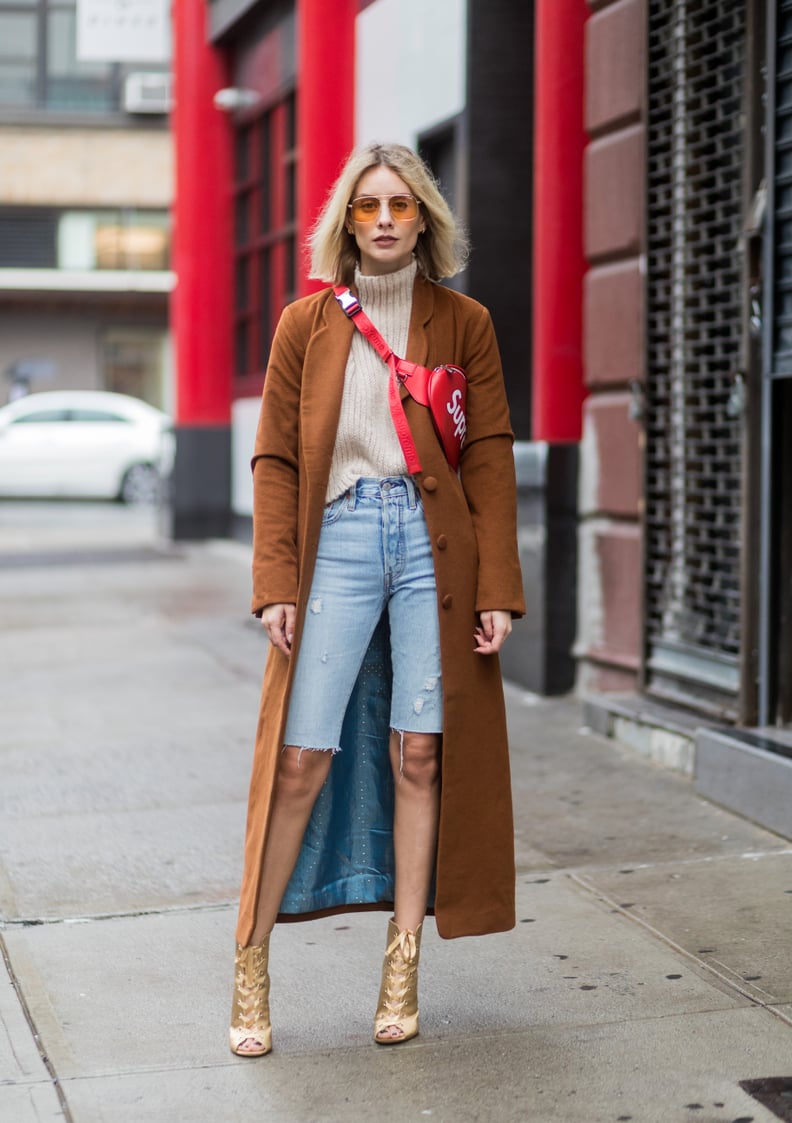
{"x": 366, "y": 441}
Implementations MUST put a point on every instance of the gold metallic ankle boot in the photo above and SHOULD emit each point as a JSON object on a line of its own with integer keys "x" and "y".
{"x": 250, "y": 1019}
{"x": 398, "y": 998}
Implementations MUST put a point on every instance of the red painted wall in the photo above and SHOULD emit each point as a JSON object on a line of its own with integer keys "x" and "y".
{"x": 202, "y": 304}
{"x": 201, "y": 310}
{"x": 559, "y": 264}
{"x": 325, "y": 105}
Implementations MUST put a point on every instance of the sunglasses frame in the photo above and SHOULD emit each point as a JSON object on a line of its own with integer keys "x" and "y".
{"x": 379, "y": 198}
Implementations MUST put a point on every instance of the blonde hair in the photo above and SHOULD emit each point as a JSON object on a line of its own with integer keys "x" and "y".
{"x": 442, "y": 248}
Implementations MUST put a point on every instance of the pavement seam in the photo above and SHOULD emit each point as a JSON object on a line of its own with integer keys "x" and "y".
{"x": 704, "y": 859}
{"x": 726, "y": 977}
{"x": 529, "y": 869}
{"x": 6, "y": 924}
{"x": 48, "y": 1065}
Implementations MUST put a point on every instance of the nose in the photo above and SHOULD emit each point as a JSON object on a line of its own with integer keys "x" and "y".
{"x": 384, "y": 218}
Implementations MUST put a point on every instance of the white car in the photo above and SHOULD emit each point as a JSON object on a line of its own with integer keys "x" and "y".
{"x": 79, "y": 444}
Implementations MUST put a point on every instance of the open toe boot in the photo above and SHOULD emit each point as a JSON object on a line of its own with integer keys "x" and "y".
{"x": 250, "y": 1034}
{"x": 396, "y": 1019}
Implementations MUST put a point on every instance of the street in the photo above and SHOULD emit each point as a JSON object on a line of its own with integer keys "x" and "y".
{"x": 648, "y": 975}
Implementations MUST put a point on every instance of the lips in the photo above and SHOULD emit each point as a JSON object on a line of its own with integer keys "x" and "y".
{"x": 385, "y": 241}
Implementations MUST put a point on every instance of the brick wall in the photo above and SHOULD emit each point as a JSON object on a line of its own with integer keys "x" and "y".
{"x": 610, "y": 578}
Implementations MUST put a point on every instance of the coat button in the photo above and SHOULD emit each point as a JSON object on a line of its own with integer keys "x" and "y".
{"x": 442, "y": 542}
{"x": 447, "y": 601}
{"x": 430, "y": 484}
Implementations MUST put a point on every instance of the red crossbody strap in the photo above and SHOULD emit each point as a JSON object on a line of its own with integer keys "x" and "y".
{"x": 400, "y": 422}
{"x": 351, "y": 307}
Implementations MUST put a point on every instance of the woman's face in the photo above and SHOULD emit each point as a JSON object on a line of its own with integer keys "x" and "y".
{"x": 386, "y": 242}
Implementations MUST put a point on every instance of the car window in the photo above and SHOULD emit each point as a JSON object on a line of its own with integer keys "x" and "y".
{"x": 41, "y": 416}
{"x": 96, "y": 415}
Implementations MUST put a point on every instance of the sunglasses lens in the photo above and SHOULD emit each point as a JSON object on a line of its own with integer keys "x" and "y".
{"x": 403, "y": 207}
{"x": 367, "y": 207}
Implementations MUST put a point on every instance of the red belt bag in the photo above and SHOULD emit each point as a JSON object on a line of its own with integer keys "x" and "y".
{"x": 443, "y": 390}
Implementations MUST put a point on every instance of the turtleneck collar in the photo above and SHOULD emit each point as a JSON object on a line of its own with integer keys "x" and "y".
{"x": 374, "y": 287}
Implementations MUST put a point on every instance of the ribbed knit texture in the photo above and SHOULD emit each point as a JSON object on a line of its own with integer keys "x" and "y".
{"x": 366, "y": 441}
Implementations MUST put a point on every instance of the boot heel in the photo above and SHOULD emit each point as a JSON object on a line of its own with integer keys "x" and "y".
{"x": 250, "y": 1018}
{"x": 398, "y": 998}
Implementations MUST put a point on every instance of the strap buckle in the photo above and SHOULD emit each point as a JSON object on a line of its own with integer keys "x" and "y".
{"x": 348, "y": 301}
{"x": 405, "y": 370}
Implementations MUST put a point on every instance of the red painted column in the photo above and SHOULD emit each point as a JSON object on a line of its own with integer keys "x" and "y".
{"x": 325, "y": 104}
{"x": 202, "y": 309}
{"x": 558, "y": 260}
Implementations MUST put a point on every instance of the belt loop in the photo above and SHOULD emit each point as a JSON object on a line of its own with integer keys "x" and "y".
{"x": 412, "y": 492}
{"x": 351, "y": 497}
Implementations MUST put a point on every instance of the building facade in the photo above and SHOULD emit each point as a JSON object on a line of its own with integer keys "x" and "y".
{"x": 622, "y": 168}
{"x": 85, "y": 192}
{"x": 685, "y": 502}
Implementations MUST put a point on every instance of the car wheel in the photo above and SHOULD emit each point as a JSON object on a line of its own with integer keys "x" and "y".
{"x": 141, "y": 484}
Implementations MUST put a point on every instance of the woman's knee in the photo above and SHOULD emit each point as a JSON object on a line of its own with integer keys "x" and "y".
{"x": 418, "y": 758}
{"x": 301, "y": 772}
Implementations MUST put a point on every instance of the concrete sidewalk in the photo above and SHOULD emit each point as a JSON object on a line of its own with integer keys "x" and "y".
{"x": 648, "y": 975}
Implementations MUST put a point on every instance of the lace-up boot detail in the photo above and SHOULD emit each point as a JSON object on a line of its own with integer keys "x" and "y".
{"x": 251, "y": 1033}
{"x": 396, "y": 1019}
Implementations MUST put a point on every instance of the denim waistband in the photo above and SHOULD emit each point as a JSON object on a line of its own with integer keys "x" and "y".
{"x": 391, "y": 487}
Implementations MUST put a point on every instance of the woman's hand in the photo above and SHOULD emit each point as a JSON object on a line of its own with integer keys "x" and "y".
{"x": 278, "y": 621}
{"x": 494, "y": 626}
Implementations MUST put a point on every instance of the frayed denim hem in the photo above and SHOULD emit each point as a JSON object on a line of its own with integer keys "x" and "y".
{"x": 311, "y": 749}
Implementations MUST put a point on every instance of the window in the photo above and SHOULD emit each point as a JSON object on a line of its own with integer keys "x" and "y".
{"x": 28, "y": 237}
{"x": 102, "y": 415}
{"x": 126, "y": 239}
{"x": 47, "y": 238}
{"x": 18, "y": 49}
{"x": 265, "y": 234}
{"x": 39, "y": 68}
{"x": 68, "y": 83}
{"x": 41, "y": 416}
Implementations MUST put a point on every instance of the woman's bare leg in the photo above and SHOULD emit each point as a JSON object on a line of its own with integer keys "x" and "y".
{"x": 415, "y": 760}
{"x": 301, "y": 774}
{"x": 416, "y": 774}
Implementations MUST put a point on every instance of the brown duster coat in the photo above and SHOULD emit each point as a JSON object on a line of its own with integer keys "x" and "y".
{"x": 472, "y": 525}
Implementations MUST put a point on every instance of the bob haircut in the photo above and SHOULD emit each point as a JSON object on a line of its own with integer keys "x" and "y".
{"x": 441, "y": 250}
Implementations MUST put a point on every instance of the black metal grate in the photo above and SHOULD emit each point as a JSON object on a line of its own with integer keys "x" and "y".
{"x": 694, "y": 447}
{"x": 782, "y": 296}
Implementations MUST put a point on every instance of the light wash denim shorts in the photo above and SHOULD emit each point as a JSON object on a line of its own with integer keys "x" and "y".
{"x": 374, "y": 554}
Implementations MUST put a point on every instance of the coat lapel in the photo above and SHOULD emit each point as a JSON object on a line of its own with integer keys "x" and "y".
{"x": 422, "y": 309}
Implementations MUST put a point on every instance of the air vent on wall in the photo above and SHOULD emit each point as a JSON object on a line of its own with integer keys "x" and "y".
{"x": 147, "y": 91}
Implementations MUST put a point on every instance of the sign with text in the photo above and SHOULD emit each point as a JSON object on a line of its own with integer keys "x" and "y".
{"x": 123, "y": 30}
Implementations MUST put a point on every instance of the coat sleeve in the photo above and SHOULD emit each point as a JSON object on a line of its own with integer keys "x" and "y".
{"x": 275, "y": 468}
{"x": 487, "y": 472}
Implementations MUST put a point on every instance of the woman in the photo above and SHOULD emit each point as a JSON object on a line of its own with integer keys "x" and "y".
{"x": 385, "y": 597}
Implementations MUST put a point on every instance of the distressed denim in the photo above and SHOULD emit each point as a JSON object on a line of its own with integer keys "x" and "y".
{"x": 374, "y": 555}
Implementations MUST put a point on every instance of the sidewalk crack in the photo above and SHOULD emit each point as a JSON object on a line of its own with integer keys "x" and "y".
{"x": 7, "y": 923}
{"x": 48, "y": 1065}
